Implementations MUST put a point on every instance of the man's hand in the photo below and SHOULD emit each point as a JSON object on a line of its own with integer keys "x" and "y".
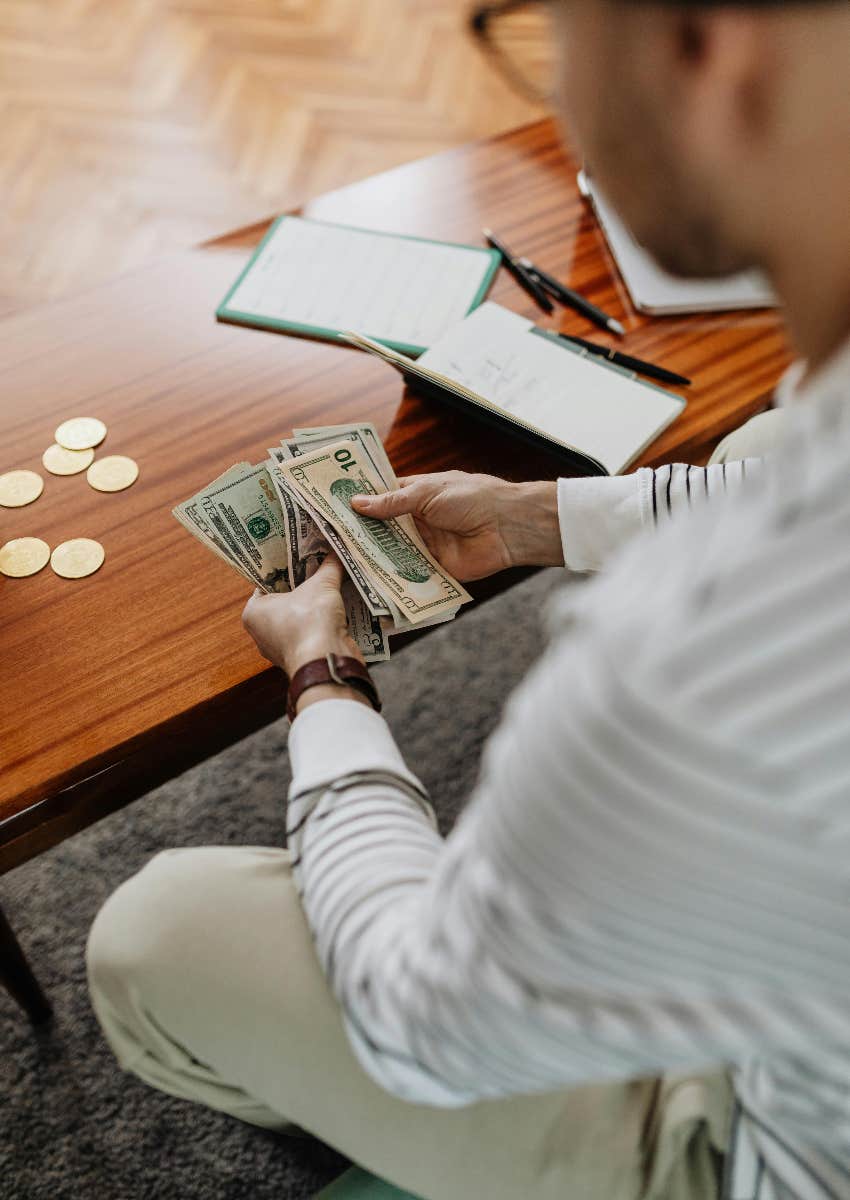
{"x": 476, "y": 525}
{"x": 293, "y": 628}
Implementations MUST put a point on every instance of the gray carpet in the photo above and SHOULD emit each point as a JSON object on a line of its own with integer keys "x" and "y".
{"x": 71, "y": 1124}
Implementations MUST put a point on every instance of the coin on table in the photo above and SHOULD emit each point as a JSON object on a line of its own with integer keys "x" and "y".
{"x": 77, "y": 558}
{"x": 23, "y": 556}
{"x": 113, "y": 473}
{"x": 18, "y": 488}
{"x": 60, "y": 461}
{"x": 80, "y": 433}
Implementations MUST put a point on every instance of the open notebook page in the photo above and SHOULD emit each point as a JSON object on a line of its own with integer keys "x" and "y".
{"x": 604, "y": 413}
{"x": 320, "y": 278}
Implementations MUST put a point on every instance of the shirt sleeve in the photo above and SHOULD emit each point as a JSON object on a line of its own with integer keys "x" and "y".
{"x": 599, "y": 514}
{"x": 622, "y": 859}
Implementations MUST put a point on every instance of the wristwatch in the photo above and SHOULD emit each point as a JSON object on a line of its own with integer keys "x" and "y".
{"x": 333, "y": 668}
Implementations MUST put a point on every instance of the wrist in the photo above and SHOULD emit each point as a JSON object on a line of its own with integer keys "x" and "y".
{"x": 530, "y": 526}
{"x": 319, "y": 647}
{"x": 329, "y": 691}
{"x": 338, "y": 677}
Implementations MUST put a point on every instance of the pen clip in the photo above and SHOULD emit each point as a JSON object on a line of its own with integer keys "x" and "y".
{"x": 541, "y": 283}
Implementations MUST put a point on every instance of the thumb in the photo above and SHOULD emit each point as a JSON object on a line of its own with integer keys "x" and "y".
{"x": 387, "y": 504}
{"x": 329, "y": 574}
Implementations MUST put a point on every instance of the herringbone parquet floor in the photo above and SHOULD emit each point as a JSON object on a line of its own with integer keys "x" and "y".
{"x": 130, "y": 127}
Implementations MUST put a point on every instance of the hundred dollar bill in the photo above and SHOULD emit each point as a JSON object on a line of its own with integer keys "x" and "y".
{"x": 247, "y": 513}
{"x": 395, "y": 560}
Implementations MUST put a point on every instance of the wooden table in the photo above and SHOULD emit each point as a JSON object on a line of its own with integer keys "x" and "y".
{"x": 112, "y": 684}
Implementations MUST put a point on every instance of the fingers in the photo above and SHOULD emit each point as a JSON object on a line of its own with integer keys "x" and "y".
{"x": 387, "y": 504}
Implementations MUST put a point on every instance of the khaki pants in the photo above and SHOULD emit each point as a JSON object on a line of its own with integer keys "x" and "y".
{"x": 204, "y": 978}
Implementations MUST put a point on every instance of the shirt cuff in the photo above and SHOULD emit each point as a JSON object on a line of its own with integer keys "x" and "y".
{"x": 597, "y": 515}
{"x": 340, "y": 737}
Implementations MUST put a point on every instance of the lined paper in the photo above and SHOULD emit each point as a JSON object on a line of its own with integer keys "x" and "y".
{"x": 331, "y": 277}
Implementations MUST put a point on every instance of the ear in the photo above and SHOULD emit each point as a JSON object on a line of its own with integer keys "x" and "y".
{"x": 720, "y": 76}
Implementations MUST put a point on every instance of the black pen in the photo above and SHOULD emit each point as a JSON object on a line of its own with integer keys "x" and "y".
{"x": 627, "y": 360}
{"x": 520, "y": 274}
{"x": 572, "y": 299}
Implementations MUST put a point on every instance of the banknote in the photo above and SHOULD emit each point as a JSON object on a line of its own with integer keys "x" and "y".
{"x": 210, "y": 530}
{"x": 246, "y": 511}
{"x": 397, "y": 561}
{"x": 189, "y": 516}
{"x": 364, "y": 432}
{"x": 275, "y": 530}
{"x": 186, "y": 514}
{"x": 307, "y": 544}
{"x": 365, "y": 435}
{"x": 243, "y": 509}
{"x": 307, "y": 549}
{"x": 372, "y": 597}
{"x": 368, "y": 631}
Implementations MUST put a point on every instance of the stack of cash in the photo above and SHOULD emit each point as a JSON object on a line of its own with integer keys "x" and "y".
{"x": 276, "y": 521}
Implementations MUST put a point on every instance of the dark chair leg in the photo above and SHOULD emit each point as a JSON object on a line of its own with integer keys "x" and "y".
{"x": 17, "y": 977}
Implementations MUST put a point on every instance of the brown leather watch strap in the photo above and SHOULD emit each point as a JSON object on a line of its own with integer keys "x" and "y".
{"x": 333, "y": 668}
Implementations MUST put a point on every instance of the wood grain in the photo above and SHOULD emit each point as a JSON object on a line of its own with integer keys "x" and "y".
{"x": 132, "y": 129}
{"x": 143, "y": 668}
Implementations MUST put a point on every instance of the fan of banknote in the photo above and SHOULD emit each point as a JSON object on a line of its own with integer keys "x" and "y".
{"x": 276, "y": 521}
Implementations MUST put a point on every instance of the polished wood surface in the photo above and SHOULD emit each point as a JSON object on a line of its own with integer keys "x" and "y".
{"x": 112, "y": 683}
{"x": 133, "y": 128}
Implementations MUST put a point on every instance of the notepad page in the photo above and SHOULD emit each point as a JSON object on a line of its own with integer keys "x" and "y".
{"x": 655, "y": 290}
{"x": 332, "y": 277}
{"x": 606, "y": 414}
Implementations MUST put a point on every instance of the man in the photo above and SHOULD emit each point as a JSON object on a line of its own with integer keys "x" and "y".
{"x": 626, "y": 972}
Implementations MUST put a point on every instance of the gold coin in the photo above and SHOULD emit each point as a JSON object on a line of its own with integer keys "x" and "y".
{"x": 23, "y": 556}
{"x": 80, "y": 433}
{"x": 79, "y": 557}
{"x": 18, "y": 488}
{"x": 113, "y": 473}
{"x": 60, "y": 461}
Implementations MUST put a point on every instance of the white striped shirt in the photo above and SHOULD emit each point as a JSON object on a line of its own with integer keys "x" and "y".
{"x": 654, "y": 870}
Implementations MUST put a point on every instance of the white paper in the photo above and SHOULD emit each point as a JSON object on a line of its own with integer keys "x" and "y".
{"x": 391, "y": 288}
{"x": 655, "y": 290}
{"x": 567, "y": 396}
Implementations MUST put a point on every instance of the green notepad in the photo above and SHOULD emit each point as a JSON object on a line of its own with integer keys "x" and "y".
{"x": 318, "y": 279}
{"x": 360, "y": 1185}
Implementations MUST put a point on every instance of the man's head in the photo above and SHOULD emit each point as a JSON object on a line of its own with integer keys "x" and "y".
{"x": 713, "y": 127}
